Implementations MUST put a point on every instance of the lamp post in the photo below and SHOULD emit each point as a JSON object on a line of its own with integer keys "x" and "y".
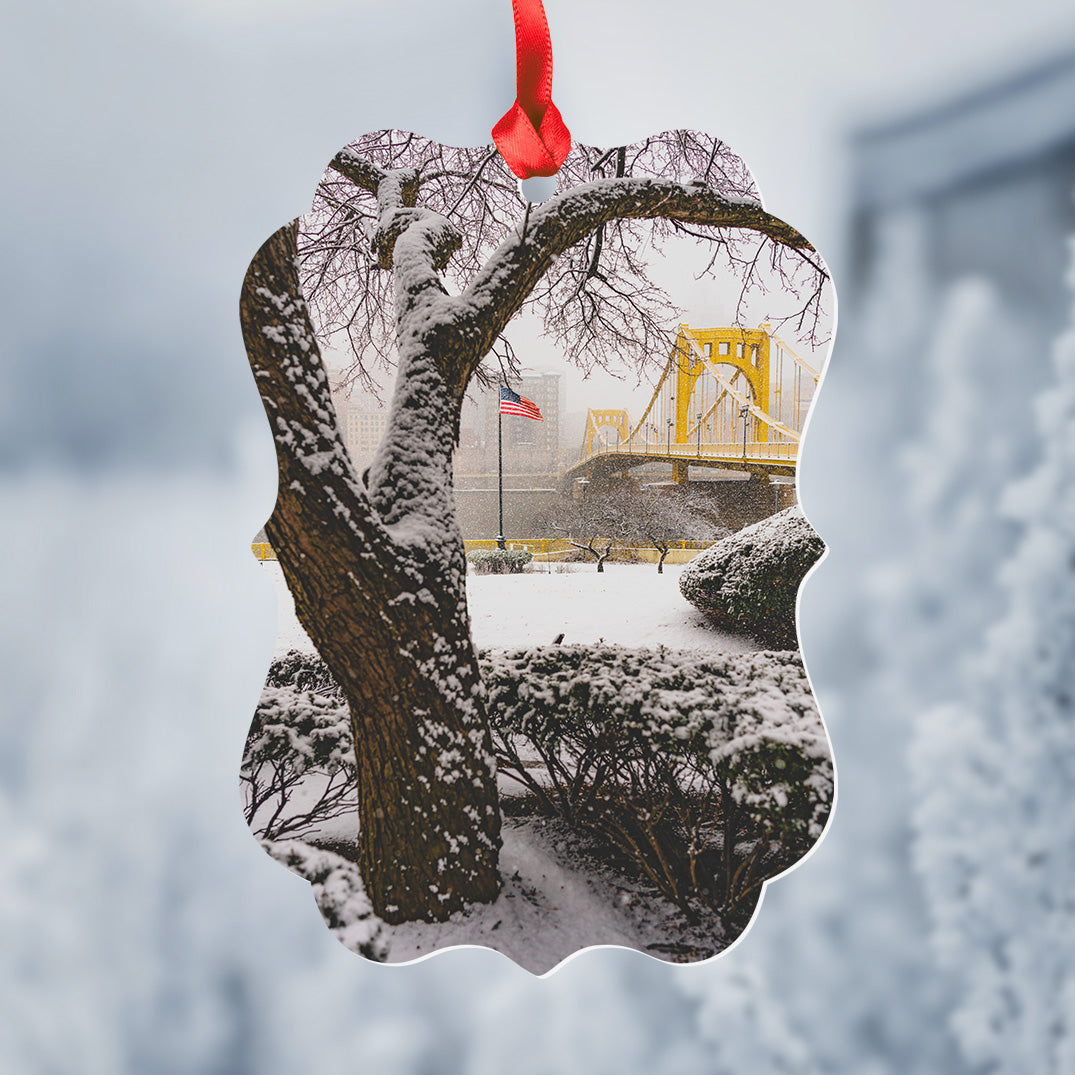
{"x": 744, "y": 413}
{"x": 699, "y": 423}
{"x": 670, "y": 424}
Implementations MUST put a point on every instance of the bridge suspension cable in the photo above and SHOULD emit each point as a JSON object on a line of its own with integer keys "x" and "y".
{"x": 726, "y": 396}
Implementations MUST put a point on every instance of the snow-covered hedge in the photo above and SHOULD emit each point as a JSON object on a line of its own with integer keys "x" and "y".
{"x": 499, "y": 561}
{"x": 709, "y": 773}
{"x": 299, "y": 764}
{"x": 299, "y": 671}
{"x": 340, "y": 895}
{"x": 750, "y": 581}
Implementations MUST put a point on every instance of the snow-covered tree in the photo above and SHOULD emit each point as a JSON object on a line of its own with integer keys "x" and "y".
{"x": 595, "y": 524}
{"x": 941, "y": 587}
{"x": 996, "y": 833}
{"x": 660, "y": 518}
{"x": 876, "y": 1008}
{"x": 626, "y": 1015}
{"x": 426, "y": 254}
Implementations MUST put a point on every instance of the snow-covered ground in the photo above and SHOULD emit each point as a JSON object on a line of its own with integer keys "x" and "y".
{"x": 558, "y": 899}
{"x": 629, "y": 604}
{"x": 558, "y": 896}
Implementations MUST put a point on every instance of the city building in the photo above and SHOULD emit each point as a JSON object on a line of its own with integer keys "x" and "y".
{"x": 530, "y": 447}
{"x": 362, "y": 422}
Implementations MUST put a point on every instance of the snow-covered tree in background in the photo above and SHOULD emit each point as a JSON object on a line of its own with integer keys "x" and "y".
{"x": 624, "y": 1015}
{"x": 994, "y": 775}
{"x": 944, "y": 372}
{"x": 375, "y": 562}
{"x": 937, "y": 591}
{"x": 660, "y": 517}
{"x": 840, "y": 946}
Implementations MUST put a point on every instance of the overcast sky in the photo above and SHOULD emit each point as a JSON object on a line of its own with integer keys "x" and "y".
{"x": 151, "y": 147}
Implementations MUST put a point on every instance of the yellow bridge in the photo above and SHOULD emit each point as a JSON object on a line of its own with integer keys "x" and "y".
{"x": 729, "y": 398}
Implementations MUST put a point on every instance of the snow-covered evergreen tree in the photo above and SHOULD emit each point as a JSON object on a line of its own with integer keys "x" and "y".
{"x": 936, "y": 590}
{"x": 623, "y": 1015}
{"x": 839, "y": 946}
{"x": 994, "y": 776}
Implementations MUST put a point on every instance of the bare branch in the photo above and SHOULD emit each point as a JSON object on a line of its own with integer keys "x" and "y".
{"x": 580, "y": 263}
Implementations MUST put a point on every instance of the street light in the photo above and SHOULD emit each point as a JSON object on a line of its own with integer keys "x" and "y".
{"x": 670, "y": 424}
{"x": 744, "y": 413}
{"x": 699, "y": 434}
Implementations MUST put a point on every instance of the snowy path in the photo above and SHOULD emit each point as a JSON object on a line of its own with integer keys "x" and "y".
{"x": 630, "y": 604}
{"x": 548, "y": 909}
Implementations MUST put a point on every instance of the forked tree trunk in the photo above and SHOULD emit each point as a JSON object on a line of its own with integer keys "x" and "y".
{"x": 599, "y": 555}
{"x": 663, "y": 549}
{"x": 603, "y": 556}
{"x": 377, "y": 576}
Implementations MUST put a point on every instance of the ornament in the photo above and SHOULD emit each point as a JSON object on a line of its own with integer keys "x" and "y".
{"x": 558, "y": 785}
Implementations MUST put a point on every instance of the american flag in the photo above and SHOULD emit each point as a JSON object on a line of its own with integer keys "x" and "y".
{"x": 512, "y": 403}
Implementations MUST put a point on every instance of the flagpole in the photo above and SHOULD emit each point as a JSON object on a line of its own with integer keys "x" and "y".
{"x": 500, "y": 544}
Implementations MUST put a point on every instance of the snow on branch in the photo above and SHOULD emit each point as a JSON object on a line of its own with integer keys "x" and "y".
{"x": 581, "y": 262}
{"x": 291, "y": 379}
{"x": 360, "y": 171}
{"x": 505, "y": 282}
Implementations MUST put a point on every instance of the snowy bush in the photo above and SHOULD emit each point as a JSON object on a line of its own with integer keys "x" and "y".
{"x": 339, "y": 893}
{"x": 299, "y": 671}
{"x": 499, "y": 561}
{"x": 709, "y": 773}
{"x": 750, "y": 581}
{"x": 299, "y": 767}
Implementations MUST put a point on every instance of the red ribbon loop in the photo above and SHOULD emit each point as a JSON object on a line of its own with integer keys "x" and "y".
{"x": 531, "y": 135}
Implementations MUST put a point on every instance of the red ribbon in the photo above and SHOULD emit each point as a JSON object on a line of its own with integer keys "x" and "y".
{"x": 531, "y": 136}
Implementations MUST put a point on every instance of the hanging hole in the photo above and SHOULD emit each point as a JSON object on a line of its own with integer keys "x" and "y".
{"x": 538, "y": 188}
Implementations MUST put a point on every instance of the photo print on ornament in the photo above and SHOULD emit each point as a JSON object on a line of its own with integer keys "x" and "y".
{"x": 538, "y": 548}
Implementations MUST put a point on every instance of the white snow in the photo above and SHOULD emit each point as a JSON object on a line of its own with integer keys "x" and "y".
{"x": 550, "y": 908}
{"x": 629, "y": 604}
{"x": 557, "y": 898}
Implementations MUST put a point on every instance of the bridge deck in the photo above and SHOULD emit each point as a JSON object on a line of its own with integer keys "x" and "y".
{"x": 729, "y": 398}
{"x": 762, "y": 456}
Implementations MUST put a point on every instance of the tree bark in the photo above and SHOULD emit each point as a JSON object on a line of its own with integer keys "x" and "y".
{"x": 377, "y": 577}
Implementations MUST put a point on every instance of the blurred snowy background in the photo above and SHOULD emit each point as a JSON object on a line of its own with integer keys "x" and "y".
{"x": 928, "y": 149}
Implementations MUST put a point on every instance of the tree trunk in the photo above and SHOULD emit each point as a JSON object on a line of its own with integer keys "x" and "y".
{"x": 663, "y": 550}
{"x": 378, "y": 581}
{"x": 602, "y": 557}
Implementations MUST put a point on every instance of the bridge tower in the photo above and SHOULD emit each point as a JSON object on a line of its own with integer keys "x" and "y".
{"x": 728, "y": 398}
{"x": 599, "y": 418}
{"x": 745, "y": 349}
